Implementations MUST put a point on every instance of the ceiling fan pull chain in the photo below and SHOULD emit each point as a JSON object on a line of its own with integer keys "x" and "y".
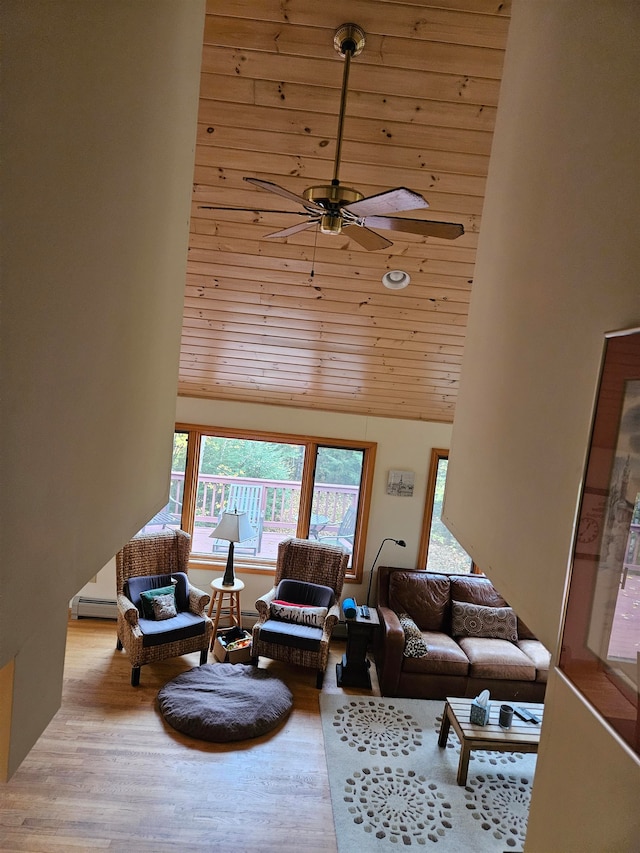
{"x": 313, "y": 259}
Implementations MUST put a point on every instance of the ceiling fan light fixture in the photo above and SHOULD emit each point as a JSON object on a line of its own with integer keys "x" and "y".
{"x": 330, "y": 223}
{"x": 396, "y": 279}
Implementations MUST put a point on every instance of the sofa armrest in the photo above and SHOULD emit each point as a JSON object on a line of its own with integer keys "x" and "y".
{"x": 198, "y": 600}
{"x": 391, "y": 651}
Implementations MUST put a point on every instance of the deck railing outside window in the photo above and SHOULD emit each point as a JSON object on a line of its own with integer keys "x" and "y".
{"x": 278, "y": 506}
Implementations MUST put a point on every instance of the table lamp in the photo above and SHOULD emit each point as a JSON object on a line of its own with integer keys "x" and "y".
{"x": 234, "y": 527}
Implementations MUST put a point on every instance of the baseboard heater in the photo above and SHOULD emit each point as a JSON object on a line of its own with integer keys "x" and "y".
{"x": 94, "y": 608}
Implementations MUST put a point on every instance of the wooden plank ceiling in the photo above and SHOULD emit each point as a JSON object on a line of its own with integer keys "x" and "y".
{"x": 305, "y": 321}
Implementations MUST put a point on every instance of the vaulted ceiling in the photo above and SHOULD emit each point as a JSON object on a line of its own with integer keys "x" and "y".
{"x": 305, "y": 320}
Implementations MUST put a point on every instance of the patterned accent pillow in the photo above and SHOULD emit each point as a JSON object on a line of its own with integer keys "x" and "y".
{"x": 164, "y": 606}
{"x": 475, "y": 620}
{"x": 414, "y": 644}
{"x": 146, "y": 599}
{"x": 301, "y": 614}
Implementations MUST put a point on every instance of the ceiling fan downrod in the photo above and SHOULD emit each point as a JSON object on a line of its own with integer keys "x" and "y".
{"x": 349, "y": 41}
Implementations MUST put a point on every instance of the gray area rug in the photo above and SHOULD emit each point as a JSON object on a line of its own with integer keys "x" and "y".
{"x": 393, "y": 787}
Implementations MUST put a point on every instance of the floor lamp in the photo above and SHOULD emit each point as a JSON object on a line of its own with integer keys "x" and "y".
{"x": 399, "y": 542}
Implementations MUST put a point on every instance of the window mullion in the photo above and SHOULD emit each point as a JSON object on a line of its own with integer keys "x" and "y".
{"x": 306, "y": 488}
{"x": 194, "y": 443}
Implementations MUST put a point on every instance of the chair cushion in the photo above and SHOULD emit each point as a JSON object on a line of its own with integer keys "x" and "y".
{"x": 134, "y": 586}
{"x": 290, "y": 634}
{"x": 182, "y": 627}
{"x": 304, "y": 592}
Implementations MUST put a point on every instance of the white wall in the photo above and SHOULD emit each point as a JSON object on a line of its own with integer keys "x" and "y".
{"x": 557, "y": 267}
{"x": 99, "y": 108}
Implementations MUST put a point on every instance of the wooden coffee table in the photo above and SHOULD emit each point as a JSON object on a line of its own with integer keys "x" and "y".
{"x": 521, "y": 737}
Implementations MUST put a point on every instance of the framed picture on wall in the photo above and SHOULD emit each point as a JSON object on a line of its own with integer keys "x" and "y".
{"x": 600, "y": 652}
{"x": 401, "y": 483}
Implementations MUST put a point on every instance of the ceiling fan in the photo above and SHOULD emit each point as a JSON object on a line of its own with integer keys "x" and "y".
{"x": 336, "y": 208}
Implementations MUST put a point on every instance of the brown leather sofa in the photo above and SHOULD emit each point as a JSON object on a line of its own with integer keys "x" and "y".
{"x": 456, "y": 645}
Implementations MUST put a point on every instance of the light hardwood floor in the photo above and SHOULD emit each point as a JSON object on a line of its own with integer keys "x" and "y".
{"x": 109, "y": 774}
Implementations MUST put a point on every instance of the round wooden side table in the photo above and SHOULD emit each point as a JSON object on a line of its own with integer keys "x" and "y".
{"x": 231, "y": 610}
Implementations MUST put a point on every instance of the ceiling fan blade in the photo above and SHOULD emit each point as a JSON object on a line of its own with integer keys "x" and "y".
{"x": 254, "y": 210}
{"x": 294, "y": 229}
{"x": 278, "y": 190}
{"x": 424, "y": 227}
{"x": 368, "y": 239}
{"x": 392, "y": 201}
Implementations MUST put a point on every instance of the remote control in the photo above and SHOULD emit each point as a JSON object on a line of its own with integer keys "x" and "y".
{"x": 526, "y": 715}
{"x": 364, "y": 612}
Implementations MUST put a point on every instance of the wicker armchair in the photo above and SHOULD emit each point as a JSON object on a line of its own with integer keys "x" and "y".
{"x": 153, "y": 561}
{"x": 316, "y": 572}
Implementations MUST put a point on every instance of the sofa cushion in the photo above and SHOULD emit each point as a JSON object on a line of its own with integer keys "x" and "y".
{"x": 475, "y": 589}
{"x": 423, "y": 595}
{"x": 490, "y": 658}
{"x": 475, "y": 620}
{"x": 541, "y": 658}
{"x": 414, "y": 644}
{"x": 445, "y": 657}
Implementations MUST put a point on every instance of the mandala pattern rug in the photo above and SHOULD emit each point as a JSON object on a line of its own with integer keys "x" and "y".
{"x": 393, "y": 787}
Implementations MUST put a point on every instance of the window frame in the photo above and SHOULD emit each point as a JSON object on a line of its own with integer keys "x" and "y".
{"x": 260, "y": 565}
{"x": 437, "y": 455}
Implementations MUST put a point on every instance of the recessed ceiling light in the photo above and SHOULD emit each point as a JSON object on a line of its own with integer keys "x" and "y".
{"x": 396, "y": 279}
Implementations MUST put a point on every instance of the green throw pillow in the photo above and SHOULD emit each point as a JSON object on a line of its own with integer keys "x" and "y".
{"x": 146, "y": 599}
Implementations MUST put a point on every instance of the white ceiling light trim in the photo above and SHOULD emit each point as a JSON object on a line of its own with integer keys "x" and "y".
{"x": 396, "y": 279}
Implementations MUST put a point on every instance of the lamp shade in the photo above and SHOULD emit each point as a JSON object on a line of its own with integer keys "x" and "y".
{"x": 234, "y": 527}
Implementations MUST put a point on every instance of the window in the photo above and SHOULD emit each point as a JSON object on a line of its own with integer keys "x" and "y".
{"x": 169, "y": 516}
{"x": 288, "y": 486}
{"x": 439, "y": 550}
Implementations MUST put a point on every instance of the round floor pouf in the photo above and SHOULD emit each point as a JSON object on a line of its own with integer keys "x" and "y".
{"x": 223, "y": 702}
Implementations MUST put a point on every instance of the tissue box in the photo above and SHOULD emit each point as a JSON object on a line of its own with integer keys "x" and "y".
{"x": 480, "y": 713}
